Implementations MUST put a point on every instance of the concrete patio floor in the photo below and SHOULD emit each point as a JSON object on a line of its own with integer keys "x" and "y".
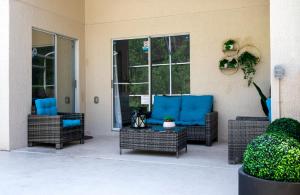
{"x": 97, "y": 168}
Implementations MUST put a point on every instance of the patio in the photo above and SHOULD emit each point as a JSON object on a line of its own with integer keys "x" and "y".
{"x": 109, "y": 61}
{"x": 100, "y": 169}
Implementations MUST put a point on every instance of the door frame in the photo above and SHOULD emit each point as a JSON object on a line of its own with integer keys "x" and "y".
{"x": 76, "y": 64}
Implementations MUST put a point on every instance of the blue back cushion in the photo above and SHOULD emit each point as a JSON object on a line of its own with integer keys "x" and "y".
{"x": 46, "y": 106}
{"x": 166, "y": 106}
{"x": 71, "y": 123}
{"x": 194, "y": 108}
{"x": 268, "y": 102}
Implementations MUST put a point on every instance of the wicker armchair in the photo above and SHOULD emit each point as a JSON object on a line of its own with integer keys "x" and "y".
{"x": 50, "y": 129}
{"x": 241, "y": 132}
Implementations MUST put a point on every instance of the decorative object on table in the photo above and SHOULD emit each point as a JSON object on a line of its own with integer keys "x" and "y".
{"x": 271, "y": 162}
{"x": 138, "y": 119}
{"x": 241, "y": 132}
{"x": 169, "y": 122}
{"x": 51, "y": 127}
{"x": 246, "y": 57}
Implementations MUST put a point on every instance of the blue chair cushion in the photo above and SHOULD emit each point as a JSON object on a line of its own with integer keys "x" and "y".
{"x": 71, "y": 123}
{"x": 268, "y": 102}
{"x": 46, "y": 106}
{"x": 194, "y": 108}
{"x": 187, "y": 123}
{"x": 166, "y": 106}
{"x": 152, "y": 121}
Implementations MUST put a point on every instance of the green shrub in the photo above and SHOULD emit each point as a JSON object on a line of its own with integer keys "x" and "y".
{"x": 288, "y": 126}
{"x": 273, "y": 156}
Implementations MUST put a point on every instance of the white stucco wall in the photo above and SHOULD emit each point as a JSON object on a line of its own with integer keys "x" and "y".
{"x": 209, "y": 24}
{"x": 63, "y": 17}
{"x": 4, "y": 75}
{"x": 285, "y": 47}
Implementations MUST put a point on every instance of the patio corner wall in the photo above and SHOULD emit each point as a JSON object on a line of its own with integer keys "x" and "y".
{"x": 63, "y": 17}
{"x": 285, "y": 47}
{"x": 209, "y": 24}
{"x": 4, "y": 75}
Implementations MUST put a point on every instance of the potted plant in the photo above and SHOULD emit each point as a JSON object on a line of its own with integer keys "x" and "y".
{"x": 248, "y": 61}
{"x": 169, "y": 122}
{"x": 225, "y": 63}
{"x": 229, "y": 45}
{"x": 272, "y": 161}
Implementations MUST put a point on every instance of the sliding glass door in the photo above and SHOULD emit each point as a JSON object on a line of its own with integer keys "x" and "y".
{"x": 145, "y": 67}
{"x": 53, "y": 69}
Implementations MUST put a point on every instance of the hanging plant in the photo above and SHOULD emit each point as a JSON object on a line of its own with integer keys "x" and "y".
{"x": 229, "y": 45}
{"x": 248, "y": 61}
{"x": 225, "y": 63}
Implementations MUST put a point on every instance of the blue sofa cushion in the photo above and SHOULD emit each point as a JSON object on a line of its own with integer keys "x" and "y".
{"x": 166, "y": 106}
{"x": 153, "y": 121}
{"x": 268, "y": 102}
{"x": 71, "y": 123}
{"x": 46, "y": 106}
{"x": 188, "y": 123}
{"x": 194, "y": 108}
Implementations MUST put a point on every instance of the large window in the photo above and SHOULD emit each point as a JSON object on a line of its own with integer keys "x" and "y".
{"x": 149, "y": 66}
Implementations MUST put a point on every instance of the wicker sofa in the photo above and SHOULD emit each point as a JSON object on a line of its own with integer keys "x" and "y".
{"x": 241, "y": 132}
{"x": 54, "y": 128}
{"x": 193, "y": 112}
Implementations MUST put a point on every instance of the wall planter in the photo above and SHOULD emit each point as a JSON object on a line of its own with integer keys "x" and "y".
{"x": 249, "y": 185}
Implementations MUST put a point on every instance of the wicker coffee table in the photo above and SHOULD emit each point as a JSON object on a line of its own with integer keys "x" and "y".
{"x": 154, "y": 138}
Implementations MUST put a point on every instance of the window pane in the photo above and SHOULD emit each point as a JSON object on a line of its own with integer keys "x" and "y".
{"x": 38, "y": 92}
{"x": 138, "y": 54}
{"x": 50, "y": 91}
{"x": 140, "y": 89}
{"x": 160, "y": 80}
{"x": 37, "y": 76}
{"x": 135, "y": 101}
{"x": 181, "y": 79}
{"x": 159, "y": 50}
{"x": 138, "y": 74}
{"x": 50, "y": 72}
{"x": 180, "y": 48}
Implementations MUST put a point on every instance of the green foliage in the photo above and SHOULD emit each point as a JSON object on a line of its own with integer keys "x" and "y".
{"x": 168, "y": 119}
{"x": 263, "y": 99}
{"x": 230, "y": 64}
{"x": 273, "y": 157}
{"x": 248, "y": 61}
{"x": 229, "y": 44}
{"x": 287, "y": 126}
{"x": 222, "y": 63}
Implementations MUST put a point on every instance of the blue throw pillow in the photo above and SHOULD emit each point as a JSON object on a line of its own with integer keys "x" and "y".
{"x": 166, "y": 106}
{"x": 46, "y": 106}
{"x": 194, "y": 108}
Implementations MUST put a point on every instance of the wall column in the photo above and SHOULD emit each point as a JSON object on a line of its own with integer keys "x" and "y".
{"x": 4, "y": 75}
{"x": 285, "y": 51}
